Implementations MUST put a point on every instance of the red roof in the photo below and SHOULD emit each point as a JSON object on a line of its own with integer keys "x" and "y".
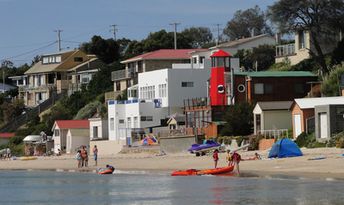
{"x": 7, "y": 135}
{"x": 165, "y": 54}
{"x": 221, "y": 53}
{"x": 73, "y": 124}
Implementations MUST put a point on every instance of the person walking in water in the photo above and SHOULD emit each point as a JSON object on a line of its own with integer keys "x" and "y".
{"x": 216, "y": 157}
{"x": 95, "y": 155}
{"x": 236, "y": 160}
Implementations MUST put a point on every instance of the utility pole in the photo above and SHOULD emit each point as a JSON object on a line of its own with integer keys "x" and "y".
{"x": 218, "y": 34}
{"x": 114, "y": 30}
{"x": 58, "y": 31}
{"x": 175, "y": 33}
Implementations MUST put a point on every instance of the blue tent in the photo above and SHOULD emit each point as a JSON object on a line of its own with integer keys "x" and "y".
{"x": 285, "y": 148}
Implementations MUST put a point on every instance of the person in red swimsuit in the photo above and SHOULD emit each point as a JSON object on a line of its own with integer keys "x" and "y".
{"x": 216, "y": 157}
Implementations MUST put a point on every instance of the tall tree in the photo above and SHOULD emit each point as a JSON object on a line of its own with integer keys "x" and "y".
{"x": 246, "y": 22}
{"x": 239, "y": 120}
{"x": 259, "y": 58}
{"x": 198, "y": 36}
{"x": 318, "y": 17}
{"x": 106, "y": 50}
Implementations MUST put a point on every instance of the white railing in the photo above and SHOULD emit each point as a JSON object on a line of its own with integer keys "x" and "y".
{"x": 285, "y": 50}
{"x": 274, "y": 133}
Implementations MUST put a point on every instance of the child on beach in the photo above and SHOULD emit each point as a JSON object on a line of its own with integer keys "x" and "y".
{"x": 95, "y": 154}
{"x": 216, "y": 157}
{"x": 78, "y": 158}
{"x": 229, "y": 158}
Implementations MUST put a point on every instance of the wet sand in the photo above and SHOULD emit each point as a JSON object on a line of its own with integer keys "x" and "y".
{"x": 330, "y": 167}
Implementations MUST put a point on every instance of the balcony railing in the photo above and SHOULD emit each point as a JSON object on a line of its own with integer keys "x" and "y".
{"x": 37, "y": 88}
{"x": 285, "y": 50}
{"x": 122, "y": 74}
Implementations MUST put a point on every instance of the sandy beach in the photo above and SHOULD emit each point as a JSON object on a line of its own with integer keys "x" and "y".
{"x": 330, "y": 167}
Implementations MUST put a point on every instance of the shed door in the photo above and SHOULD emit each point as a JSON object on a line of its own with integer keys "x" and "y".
{"x": 297, "y": 125}
{"x": 323, "y": 125}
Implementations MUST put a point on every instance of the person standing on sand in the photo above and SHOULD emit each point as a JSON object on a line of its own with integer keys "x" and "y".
{"x": 84, "y": 157}
{"x": 216, "y": 157}
{"x": 95, "y": 154}
{"x": 229, "y": 158}
{"x": 78, "y": 158}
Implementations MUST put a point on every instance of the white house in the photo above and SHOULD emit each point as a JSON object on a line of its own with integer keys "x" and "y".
{"x": 76, "y": 138}
{"x": 61, "y": 130}
{"x": 157, "y": 95}
{"x": 201, "y": 58}
{"x": 272, "y": 118}
{"x": 303, "y": 112}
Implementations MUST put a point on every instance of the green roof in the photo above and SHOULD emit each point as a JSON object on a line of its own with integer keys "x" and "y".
{"x": 275, "y": 74}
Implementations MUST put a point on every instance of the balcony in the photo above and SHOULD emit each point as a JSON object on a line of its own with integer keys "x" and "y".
{"x": 37, "y": 88}
{"x": 123, "y": 74}
{"x": 285, "y": 50}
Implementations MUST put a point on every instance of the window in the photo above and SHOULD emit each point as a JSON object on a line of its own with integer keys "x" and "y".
{"x": 299, "y": 88}
{"x": 259, "y": 88}
{"x": 162, "y": 90}
{"x": 258, "y": 123}
{"x": 121, "y": 121}
{"x": 268, "y": 89}
{"x": 302, "y": 39}
{"x": 187, "y": 84}
{"x": 78, "y": 59}
{"x": 95, "y": 132}
{"x": 118, "y": 86}
{"x": 201, "y": 59}
{"x": 112, "y": 124}
{"x": 146, "y": 118}
{"x": 194, "y": 60}
{"x": 57, "y": 132}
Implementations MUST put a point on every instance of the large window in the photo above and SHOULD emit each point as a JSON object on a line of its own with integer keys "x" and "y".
{"x": 187, "y": 84}
{"x": 162, "y": 90}
{"x": 302, "y": 39}
{"x": 51, "y": 59}
{"x": 57, "y": 133}
{"x": 261, "y": 88}
{"x": 147, "y": 92}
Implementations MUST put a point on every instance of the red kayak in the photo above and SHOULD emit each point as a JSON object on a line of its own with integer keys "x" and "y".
{"x": 106, "y": 171}
{"x": 216, "y": 171}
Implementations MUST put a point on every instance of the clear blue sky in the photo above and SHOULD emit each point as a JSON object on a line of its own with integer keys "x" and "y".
{"x": 27, "y": 25}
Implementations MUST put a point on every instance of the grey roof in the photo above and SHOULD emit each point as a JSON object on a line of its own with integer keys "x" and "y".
{"x": 240, "y": 41}
{"x": 275, "y": 105}
{"x": 40, "y": 68}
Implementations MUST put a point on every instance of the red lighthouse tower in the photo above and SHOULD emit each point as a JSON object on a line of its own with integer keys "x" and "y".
{"x": 220, "y": 63}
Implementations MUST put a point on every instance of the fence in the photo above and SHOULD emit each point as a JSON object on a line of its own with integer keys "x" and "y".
{"x": 274, "y": 133}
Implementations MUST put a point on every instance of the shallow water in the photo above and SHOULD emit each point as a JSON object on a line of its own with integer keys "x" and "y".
{"x": 47, "y": 187}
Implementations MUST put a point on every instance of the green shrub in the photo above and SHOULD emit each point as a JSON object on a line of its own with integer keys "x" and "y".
{"x": 17, "y": 150}
{"x": 339, "y": 140}
{"x": 302, "y": 140}
{"x": 16, "y": 140}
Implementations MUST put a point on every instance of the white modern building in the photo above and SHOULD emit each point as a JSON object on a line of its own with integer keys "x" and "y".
{"x": 157, "y": 95}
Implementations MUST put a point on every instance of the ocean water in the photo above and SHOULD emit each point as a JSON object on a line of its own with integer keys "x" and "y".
{"x": 49, "y": 187}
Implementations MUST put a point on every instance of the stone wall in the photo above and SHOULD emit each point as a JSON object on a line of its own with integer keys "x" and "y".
{"x": 176, "y": 144}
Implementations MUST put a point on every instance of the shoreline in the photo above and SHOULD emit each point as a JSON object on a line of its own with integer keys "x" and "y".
{"x": 330, "y": 168}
